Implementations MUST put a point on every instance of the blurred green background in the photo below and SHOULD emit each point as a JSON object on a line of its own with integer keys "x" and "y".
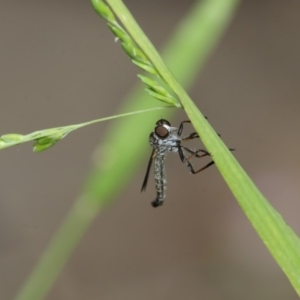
{"x": 59, "y": 66}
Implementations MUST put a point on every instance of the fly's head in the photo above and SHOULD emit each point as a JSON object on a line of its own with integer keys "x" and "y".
{"x": 163, "y": 135}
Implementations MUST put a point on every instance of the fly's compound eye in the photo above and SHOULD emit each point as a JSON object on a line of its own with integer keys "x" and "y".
{"x": 163, "y": 122}
{"x": 161, "y": 131}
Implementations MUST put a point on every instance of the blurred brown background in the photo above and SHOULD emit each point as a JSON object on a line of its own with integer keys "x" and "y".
{"x": 59, "y": 65}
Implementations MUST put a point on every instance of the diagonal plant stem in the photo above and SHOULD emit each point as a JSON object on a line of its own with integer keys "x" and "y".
{"x": 278, "y": 237}
{"x": 107, "y": 181}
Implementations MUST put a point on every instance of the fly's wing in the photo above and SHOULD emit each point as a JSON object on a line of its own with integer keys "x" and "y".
{"x": 148, "y": 171}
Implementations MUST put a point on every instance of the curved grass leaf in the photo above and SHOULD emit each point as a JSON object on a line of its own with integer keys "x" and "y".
{"x": 278, "y": 237}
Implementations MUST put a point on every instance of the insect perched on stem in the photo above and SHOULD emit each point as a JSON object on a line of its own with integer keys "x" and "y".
{"x": 164, "y": 139}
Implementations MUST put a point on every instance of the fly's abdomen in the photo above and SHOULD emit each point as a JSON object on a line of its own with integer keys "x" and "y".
{"x": 160, "y": 179}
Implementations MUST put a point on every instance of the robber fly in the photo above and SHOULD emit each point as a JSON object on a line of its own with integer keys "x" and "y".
{"x": 164, "y": 139}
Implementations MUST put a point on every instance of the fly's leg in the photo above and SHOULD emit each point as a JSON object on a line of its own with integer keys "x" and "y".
{"x": 186, "y": 160}
{"x": 180, "y": 129}
{"x": 193, "y": 153}
{"x": 192, "y": 135}
{"x": 201, "y": 169}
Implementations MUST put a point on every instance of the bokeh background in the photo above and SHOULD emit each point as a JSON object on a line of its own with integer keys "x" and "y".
{"x": 59, "y": 66}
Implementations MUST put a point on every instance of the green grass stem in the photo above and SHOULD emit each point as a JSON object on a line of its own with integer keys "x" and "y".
{"x": 278, "y": 237}
{"x": 48, "y": 137}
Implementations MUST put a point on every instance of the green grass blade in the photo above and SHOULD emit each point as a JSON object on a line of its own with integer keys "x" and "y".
{"x": 107, "y": 181}
{"x": 279, "y": 238}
